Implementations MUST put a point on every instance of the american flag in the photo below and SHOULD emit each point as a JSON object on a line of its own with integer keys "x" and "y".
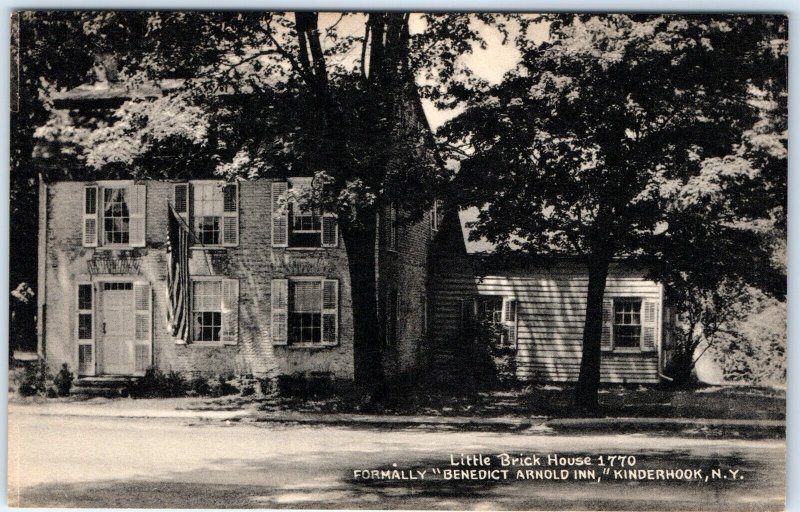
{"x": 178, "y": 276}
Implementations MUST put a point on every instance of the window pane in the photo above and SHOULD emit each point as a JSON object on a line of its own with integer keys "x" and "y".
{"x": 305, "y": 328}
{"x": 207, "y": 230}
{"x": 306, "y": 297}
{"x": 207, "y": 326}
{"x": 207, "y": 296}
{"x": 84, "y": 327}
{"x": 84, "y": 296}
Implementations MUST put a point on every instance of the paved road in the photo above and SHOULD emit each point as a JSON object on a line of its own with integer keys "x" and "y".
{"x": 108, "y": 462}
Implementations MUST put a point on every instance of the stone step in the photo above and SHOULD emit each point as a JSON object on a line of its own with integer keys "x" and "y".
{"x": 107, "y": 386}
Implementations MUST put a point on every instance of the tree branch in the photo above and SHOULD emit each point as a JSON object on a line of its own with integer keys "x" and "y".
{"x": 285, "y": 54}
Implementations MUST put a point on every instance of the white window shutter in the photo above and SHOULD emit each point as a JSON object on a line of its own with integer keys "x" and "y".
{"x": 280, "y": 214}
{"x": 510, "y": 321}
{"x": 330, "y": 231}
{"x": 180, "y": 200}
{"x": 607, "y": 335}
{"x": 137, "y": 206}
{"x": 91, "y": 199}
{"x": 230, "y": 311}
{"x": 280, "y": 311}
{"x": 230, "y": 215}
{"x": 649, "y": 325}
{"x": 330, "y": 311}
{"x": 143, "y": 337}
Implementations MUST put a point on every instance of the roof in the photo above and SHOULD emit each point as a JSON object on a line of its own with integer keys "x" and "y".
{"x": 473, "y": 246}
{"x": 115, "y": 91}
{"x": 104, "y": 93}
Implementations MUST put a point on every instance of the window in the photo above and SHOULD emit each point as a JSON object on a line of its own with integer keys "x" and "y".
{"x": 436, "y": 215}
{"x": 215, "y": 211}
{"x": 305, "y": 311}
{"x": 85, "y": 329}
{"x": 391, "y": 228}
{"x": 84, "y": 312}
{"x": 292, "y": 226}
{"x": 498, "y": 317}
{"x": 207, "y": 311}
{"x": 207, "y": 213}
{"x": 424, "y": 303}
{"x": 630, "y": 324}
{"x": 116, "y": 216}
{"x": 306, "y": 229}
{"x": 627, "y": 323}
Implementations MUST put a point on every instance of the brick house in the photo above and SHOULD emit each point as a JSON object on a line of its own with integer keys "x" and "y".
{"x": 267, "y": 286}
{"x": 267, "y": 283}
{"x": 267, "y": 290}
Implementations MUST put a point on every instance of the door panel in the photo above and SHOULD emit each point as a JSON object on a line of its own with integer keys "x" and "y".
{"x": 117, "y": 330}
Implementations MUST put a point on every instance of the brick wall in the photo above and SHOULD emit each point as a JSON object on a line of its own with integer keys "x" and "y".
{"x": 407, "y": 268}
{"x": 254, "y": 263}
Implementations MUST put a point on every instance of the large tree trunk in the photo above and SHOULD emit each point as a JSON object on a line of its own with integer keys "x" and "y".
{"x": 589, "y": 379}
{"x": 360, "y": 246}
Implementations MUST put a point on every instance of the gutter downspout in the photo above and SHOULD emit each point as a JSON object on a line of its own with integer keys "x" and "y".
{"x": 41, "y": 309}
{"x": 661, "y": 334}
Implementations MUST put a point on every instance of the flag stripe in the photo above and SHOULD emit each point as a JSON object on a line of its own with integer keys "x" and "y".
{"x": 178, "y": 277}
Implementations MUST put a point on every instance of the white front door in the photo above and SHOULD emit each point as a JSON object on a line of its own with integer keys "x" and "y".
{"x": 117, "y": 329}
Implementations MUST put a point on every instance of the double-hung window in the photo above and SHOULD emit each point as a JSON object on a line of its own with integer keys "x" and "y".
{"x": 207, "y": 311}
{"x": 215, "y": 211}
{"x": 306, "y": 228}
{"x": 305, "y": 311}
{"x": 498, "y": 315}
{"x": 295, "y": 224}
{"x": 215, "y": 303}
{"x": 114, "y": 214}
{"x": 629, "y": 324}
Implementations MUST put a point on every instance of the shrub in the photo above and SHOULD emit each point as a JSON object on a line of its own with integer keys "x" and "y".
{"x": 267, "y": 385}
{"x": 63, "y": 380}
{"x": 200, "y": 386}
{"x": 222, "y": 387}
{"x": 174, "y": 384}
{"x": 157, "y": 384}
{"x": 34, "y": 381}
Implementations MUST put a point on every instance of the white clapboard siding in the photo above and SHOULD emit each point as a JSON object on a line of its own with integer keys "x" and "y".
{"x": 551, "y": 307}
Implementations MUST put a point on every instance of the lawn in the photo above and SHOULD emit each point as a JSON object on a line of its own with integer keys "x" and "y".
{"x": 734, "y": 402}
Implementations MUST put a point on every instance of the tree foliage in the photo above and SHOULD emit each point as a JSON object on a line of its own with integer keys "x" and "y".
{"x": 607, "y": 130}
{"x": 251, "y": 94}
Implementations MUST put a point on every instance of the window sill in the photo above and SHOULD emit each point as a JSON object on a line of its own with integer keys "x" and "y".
{"x": 305, "y": 249}
{"x": 211, "y": 247}
{"x": 208, "y": 344}
{"x": 627, "y": 351}
{"x": 310, "y": 346}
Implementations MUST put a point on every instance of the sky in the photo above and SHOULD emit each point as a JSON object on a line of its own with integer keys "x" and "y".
{"x": 489, "y": 63}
